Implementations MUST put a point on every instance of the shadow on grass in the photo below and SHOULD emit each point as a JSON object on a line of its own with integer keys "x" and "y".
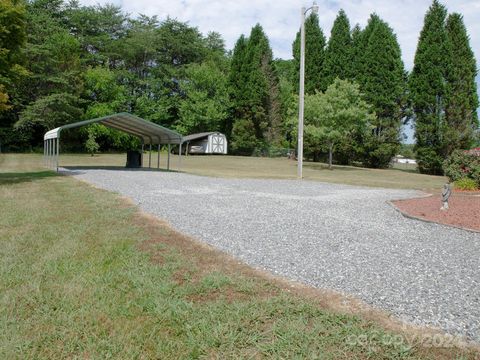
{"x": 321, "y": 166}
{"x": 10, "y": 178}
{"x": 407, "y": 170}
{"x": 77, "y": 170}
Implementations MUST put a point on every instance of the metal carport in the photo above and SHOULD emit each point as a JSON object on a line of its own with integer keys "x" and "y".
{"x": 148, "y": 132}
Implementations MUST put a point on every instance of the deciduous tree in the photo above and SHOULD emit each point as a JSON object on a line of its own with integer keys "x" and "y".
{"x": 206, "y": 103}
{"x": 339, "y": 113}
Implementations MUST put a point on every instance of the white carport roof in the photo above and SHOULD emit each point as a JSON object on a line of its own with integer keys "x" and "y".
{"x": 148, "y": 131}
{"x": 198, "y": 136}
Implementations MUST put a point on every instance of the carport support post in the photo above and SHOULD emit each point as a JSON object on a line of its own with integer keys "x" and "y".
{"x": 50, "y": 153}
{"x": 158, "y": 158}
{"x": 45, "y": 149}
{"x": 52, "y": 159}
{"x": 168, "y": 158}
{"x": 180, "y": 157}
{"x": 53, "y": 154}
{"x": 150, "y": 156}
{"x": 58, "y": 152}
{"x": 141, "y": 158}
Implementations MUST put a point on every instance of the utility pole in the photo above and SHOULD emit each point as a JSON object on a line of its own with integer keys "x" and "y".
{"x": 301, "y": 97}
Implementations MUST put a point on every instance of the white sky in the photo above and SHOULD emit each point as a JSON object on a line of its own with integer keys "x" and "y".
{"x": 281, "y": 18}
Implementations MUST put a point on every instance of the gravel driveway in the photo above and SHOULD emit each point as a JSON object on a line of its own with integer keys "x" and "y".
{"x": 331, "y": 236}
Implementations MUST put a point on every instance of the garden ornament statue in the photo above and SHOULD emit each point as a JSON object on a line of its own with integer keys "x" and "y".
{"x": 446, "y": 192}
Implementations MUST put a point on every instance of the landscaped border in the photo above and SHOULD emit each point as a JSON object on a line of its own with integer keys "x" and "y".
{"x": 413, "y": 217}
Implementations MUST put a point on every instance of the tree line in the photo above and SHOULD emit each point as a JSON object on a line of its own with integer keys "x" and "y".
{"x": 61, "y": 62}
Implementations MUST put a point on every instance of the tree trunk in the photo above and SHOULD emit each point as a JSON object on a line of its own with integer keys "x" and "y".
{"x": 330, "y": 155}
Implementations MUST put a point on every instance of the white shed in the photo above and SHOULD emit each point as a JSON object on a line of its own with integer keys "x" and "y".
{"x": 205, "y": 143}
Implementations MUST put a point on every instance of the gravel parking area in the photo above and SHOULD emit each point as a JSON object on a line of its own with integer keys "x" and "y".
{"x": 330, "y": 236}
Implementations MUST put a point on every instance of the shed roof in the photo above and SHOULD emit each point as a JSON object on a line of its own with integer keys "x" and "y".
{"x": 148, "y": 131}
{"x": 199, "y": 136}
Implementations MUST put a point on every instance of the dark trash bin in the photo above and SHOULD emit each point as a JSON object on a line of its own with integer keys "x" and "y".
{"x": 134, "y": 159}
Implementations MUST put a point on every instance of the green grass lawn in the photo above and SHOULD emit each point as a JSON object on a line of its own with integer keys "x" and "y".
{"x": 402, "y": 177}
{"x": 84, "y": 275}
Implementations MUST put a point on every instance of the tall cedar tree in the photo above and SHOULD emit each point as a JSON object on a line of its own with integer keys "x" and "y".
{"x": 427, "y": 89}
{"x": 258, "y": 59}
{"x": 314, "y": 56}
{"x": 382, "y": 79}
{"x": 338, "y": 55}
{"x": 261, "y": 103}
{"x": 356, "y": 51}
{"x": 461, "y": 101}
{"x": 238, "y": 84}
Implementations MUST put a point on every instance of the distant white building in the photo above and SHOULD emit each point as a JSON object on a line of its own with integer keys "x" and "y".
{"x": 205, "y": 143}
{"x": 399, "y": 159}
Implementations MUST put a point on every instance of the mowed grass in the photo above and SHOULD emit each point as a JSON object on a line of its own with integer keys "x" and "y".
{"x": 84, "y": 275}
{"x": 402, "y": 176}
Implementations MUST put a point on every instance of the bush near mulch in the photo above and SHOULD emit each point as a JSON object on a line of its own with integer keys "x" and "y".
{"x": 466, "y": 184}
{"x": 463, "y": 164}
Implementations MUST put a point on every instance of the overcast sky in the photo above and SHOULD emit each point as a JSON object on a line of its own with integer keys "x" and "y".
{"x": 281, "y": 18}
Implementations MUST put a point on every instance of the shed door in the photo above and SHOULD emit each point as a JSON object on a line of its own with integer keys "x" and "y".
{"x": 218, "y": 144}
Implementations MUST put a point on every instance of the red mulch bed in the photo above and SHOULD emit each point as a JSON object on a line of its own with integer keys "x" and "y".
{"x": 464, "y": 209}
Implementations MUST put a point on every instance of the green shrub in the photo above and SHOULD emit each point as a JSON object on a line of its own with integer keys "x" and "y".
{"x": 463, "y": 165}
{"x": 466, "y": 184}
{"x": 91, "y": 145}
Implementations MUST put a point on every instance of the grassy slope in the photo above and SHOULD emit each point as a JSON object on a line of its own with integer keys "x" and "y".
{"x": 279, "y": 168}
{"x": 82, "y": 274}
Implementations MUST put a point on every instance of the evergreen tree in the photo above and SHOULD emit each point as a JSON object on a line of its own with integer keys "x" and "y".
{"x": 238, "y": 84}
{"x": 382, "y": 79}
{"x": 314, "y": 56}
{"x": 285, "y": 70}
{"x": 259, "y": 102}
{"x": 427, "y": 89}
{"x": 461, "y": 100}
{"x": 338, "y": 55}
{"x": 257, "y": 85}
{"x": 357, "y": 48}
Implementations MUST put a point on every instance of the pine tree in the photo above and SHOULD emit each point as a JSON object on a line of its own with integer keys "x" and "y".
{"x": 382, "y": 79}
{"x": 338, "y": 55}
{"x": 314, "y": 56}
{"x": 461, "y": 100}
{"x": 427, "y": 89}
